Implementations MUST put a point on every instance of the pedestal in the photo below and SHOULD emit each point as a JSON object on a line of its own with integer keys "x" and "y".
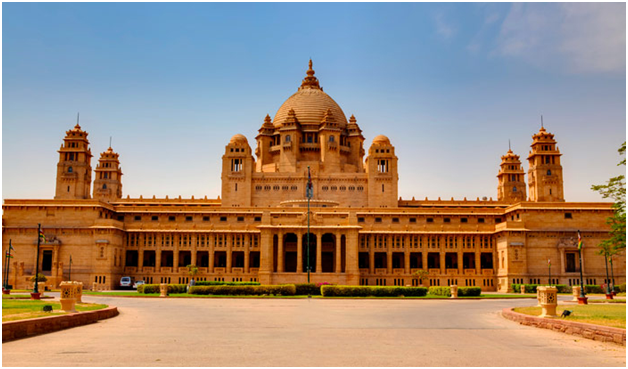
{"x": 454, "y": 291}
{"x": 522, "y": 288}
{"x": 68, "y": 297}
{"x": 548, "y": 299}
{"x": 78, "y": 291}
{"x": 163, "y": 290}
{"x": 576, "y": 290}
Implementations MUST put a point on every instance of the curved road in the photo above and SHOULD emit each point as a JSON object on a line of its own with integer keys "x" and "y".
{"x": 302, "y": 332}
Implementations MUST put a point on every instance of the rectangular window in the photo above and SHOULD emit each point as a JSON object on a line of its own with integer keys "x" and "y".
{"x": 223, "y": 219}
{"x": 258, "y": 219}
{"x": 480, "y": 220}
{"x": 138, "y": 217}
{"x": 171, "y": 218}
{"x": 447, "y": 220}
{"x": 378, "y": 220}
{"x": 568, "y": 216}
{"x": 240, "y": 219}
{"x": 412, "y": 220}
{"x": 121, "y": 218}
{"x": 498, "y": 220}
{"x": 464, "y": 220}
{"x": 430, "y": 220}
{"x": 154, "y": 218}
{"x": 188, "y": 219}
{"x": 360, "y": 219}
{"x": 205, "y": 219}
{"x": 395, "y": 220}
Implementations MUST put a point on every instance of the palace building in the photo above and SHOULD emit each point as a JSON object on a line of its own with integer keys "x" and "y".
{"x": 361, "y": 232}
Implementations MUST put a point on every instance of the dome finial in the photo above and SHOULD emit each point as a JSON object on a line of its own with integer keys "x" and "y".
{"x": 310, "y": 81}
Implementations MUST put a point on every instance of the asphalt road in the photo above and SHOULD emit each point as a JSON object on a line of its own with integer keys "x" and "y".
{"x": 302, "y": 332}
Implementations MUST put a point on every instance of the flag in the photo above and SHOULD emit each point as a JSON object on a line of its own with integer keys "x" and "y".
{"x": 580, "y": 244}
{"x": 11, "y": 247}
{"x": 42, "y": 236}
{"x": 549, "y": 263}
{"x": 8, "y": 254}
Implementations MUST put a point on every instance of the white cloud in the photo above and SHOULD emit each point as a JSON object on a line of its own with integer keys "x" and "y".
{"x": 581, "y": 37}
{"x": 443, "y": 28}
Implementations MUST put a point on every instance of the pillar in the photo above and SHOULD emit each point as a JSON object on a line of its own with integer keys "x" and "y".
{"x": 229, "y": 241}
{"x": 280, "y": 253}
{"x": 299, "y": 252}
{"x": 158, "y": 259}
{"x": 140, "y": 259}
{"x": 193, "y": 242}
{"x": 319, "y": 252}
{"x": 389, "y": 245}
{"x": 406, "y": 254}
{"x": 352, "y": 270}
{"x": 338, "y": 252}
{"x": 371, "y": 242}
{"x": 478, "y": 264}
{"x": 247, "y": 252}
{"x": 266, "y": 255}
{"x": 212, "y": 240}
{"x": 442, "y": 261}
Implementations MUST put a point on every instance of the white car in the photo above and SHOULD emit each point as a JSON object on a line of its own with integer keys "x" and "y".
{"x": 137, "y": 284}
{"x": 126, "y": 282}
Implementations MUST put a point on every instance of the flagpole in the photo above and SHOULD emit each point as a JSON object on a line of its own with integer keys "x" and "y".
{"x": 70, "y": 274}
{"x": 8, "y": 264}
{"x": 4, "y": 278}
{"x": 582, "y": 294}
{"x": 608, "y": 288}
{"x": 549, "y": 266}
{"x": 36, "y": 288}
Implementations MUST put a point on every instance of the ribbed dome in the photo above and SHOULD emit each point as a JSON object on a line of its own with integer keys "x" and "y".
{"x": 239, "y": 139}
{"x": 310, "y": 104}
{"x": 381, "y": 139}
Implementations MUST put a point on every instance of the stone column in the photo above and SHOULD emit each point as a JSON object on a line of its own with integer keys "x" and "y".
{"x": 406, "y": 254}
{"x": 352, "y": 270}
{"x": 371, "y": 239}
{"x": 266, "y": 255}
{"x": 158, "y": 259}
{"x": 193, "y": 242}
{"x": 211, "y": 240}
{"x": 319, "y": 252}
{"x": 280, "y": 253}
{"x": 478, "y": 263}
{"x": 338, "y": 254}
{"x": 299, "y": 252}
{"x": 247, "y": 252}
{"x": 55, "y": 261}
{"x": 460, "y": 255}
{"x": 424, "y": 258}
{"x": 140, "y": 258}
{"x": 443, "y": 270}
{"x": 229, "y": 241}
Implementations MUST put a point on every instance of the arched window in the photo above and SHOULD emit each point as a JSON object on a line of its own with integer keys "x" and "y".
{"x": 104, "y": 186}
{"x": 549, "y": 172}
{"x": 70, "y": 169}
{"x": 288, "y": 138}
{"x": 331, "y": 138}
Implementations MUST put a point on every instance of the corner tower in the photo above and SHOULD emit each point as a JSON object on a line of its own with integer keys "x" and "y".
{"x": 74, "y": 171}
{"x": 511, "y": 187}
{"x": 108, "y": 182}
{"x": 545, "y": 174}
{"x": 381, "y": 167}
{"x": 237, "y": 169}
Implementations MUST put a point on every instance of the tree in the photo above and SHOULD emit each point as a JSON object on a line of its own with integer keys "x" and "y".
{"x": 615, "y": 189}
{"x": 421, "y": 274}
{"x": 40, "y": 278}
{"x": 192, "y": 270}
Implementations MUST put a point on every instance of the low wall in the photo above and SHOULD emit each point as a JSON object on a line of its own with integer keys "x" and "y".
{"x": 590, "y": 331}
{"x": 33, "y": 327}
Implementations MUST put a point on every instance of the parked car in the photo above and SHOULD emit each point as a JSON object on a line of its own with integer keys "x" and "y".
{"x": 137, "y": 284}
{"x": 126, "y": 282}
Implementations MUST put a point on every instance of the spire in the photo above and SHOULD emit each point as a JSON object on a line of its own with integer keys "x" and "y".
{"x": 509, "y": 149}
{"x": 310, "y": 81}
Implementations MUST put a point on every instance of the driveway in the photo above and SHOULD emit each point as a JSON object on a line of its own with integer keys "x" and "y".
{"x": 302, "y": 332}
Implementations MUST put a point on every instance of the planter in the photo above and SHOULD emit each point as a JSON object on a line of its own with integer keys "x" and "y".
{"x": 583, "y": 300}
{"x": 614, "y": 293}
{"x": 609, "y": 296}
{"x": 6, "y": 292}
{"x": 35, "y": 296}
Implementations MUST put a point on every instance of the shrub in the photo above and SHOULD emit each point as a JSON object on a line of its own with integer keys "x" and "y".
{"x": 439, "y": 291}
{"x": 307, "y": 289}
{"x": 154, "y": 288}
{"x": 220, "y": 283}
{"x": 593, "y": 288}
{"x": 242, "y": 290}
{"x": 140, "y": 288}
{"x": 620, "y": 288}
{"x": 176, "y": 288}
{"x": 364, "y": 291}
{"x": 149, "y": 288}
{"x": 469, "y": 291}
{"x": 40, "y": 278}
{"x": 531, "y": 288}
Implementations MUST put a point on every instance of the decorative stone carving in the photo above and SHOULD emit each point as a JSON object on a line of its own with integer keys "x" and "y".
{"x": 548, "y": 299}
{"x": 68, "y": 297}
{"x": 454, "y": 291}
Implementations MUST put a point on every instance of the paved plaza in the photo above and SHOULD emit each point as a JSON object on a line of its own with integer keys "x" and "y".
{"x": 302, "y": 332}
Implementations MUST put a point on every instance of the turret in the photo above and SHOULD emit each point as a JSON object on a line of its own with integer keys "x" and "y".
{"x": 545, "y": 173}
{"x": 511, "y": 186}
{"x": 108, "y": 182}
{"x": 237, "y": 171}
{"x": 74, "y": 171}
{"x": 381, "y": 166}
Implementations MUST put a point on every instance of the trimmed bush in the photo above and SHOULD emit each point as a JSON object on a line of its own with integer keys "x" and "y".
{"x": 243, "y": 290}
{"x": 307, "y": 289}
{"x": 154, "y": 288}
{"x": 364, "y": 291}
{"x": 439, "y": 291}
{"x": 593, "y": 288}
{"x": 620, "y": 288}
{"x": 469, "y": 291}
{"x": 531, "y": 288}
{"x": 220, "y": 283}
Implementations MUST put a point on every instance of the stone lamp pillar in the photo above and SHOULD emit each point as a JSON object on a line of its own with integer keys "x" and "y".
{"x": 454, "y": 291}
{"x": 163, "y": 290}
{"x": 522, "y": 289}
{"x": 68, "y": 294}
{"x": 548, "y": 299}
{"x": 78, "y": 286}
{"x": 575, "y": 290}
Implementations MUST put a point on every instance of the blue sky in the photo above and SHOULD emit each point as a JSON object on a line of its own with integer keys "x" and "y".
{"x": 449, "y": 84}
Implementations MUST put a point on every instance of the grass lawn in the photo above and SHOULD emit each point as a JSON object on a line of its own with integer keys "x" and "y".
{"x": 610, "y": 315}
{"x": 14, "y": 309}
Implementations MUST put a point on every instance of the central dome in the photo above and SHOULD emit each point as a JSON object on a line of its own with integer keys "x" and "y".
{"x": 310, "y": 104}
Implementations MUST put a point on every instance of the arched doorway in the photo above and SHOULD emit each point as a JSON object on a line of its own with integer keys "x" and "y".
{"x": 290, "y": 252}
{"x": 328, "y": 253}
{"x": 312, "y": 253}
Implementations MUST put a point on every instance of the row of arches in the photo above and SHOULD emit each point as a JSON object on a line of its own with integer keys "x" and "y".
{"x": 327, "y": 253}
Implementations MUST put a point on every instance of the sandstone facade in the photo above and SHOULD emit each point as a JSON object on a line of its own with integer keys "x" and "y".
{"x": 360, "y": 231}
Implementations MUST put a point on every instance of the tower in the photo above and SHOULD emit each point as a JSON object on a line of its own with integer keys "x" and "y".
{"x": 381, "y": 166}
{"x": 74, "y": 171}
{"x": 545, "y": 174}
{"x": 511, "y": 186}
{"x": 237, "y": 171}
{"x": 108, "y": 181}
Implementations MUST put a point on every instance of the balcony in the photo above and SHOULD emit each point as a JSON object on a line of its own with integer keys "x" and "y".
{"x": 166, "y": 269}
{"x": 253, "y": 270}
{"x": 237, "y": 270}
{"x": 381, "y": 271}
{"x": 309, "y": 146}
{"x": 469, "y": 272}
{"x": 434, "y": 272}
{"x": 452, "y": 271}
{"x": 129, "y": 270}
{"x": 398, "y": 271}
{"x": 220, "y": 270}
{"x": 364, "y": 271}
{"x": 487, "y": 271}
{"x": 276, "y": 148}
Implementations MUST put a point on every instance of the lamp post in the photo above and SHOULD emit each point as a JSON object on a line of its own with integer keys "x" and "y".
{"x": 607, "y": 281}
{"x": 70, "y": 273}
{"x": 39, "y": 236}
{"x": 309, "y": 196}
{"x": 583, "y": 298}
{"x": 8, "y": 257}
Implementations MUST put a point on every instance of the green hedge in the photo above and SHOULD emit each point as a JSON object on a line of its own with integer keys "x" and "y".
{"x": 469, "y": 291}
{"x": 307, "y": 289}
{"x": 154, "y": 288}
{"x": 284, "y": 290}
{"x": 620, "y": 288}
{"x": 439, "y": 291}
{"x": 531, "y": 288}
{"x": 594, "y": 288}
{"x": 364, "y": 291}
{"x": 220, "y": 283}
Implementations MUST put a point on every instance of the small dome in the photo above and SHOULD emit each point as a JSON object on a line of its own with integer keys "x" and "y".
{"x": 239, "y": 139}
{"x": 381, "y": 139}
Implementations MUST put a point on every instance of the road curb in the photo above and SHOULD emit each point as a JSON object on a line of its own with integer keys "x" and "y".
{"x": 32, "y": 327}
{"x": 584, "y": 330}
